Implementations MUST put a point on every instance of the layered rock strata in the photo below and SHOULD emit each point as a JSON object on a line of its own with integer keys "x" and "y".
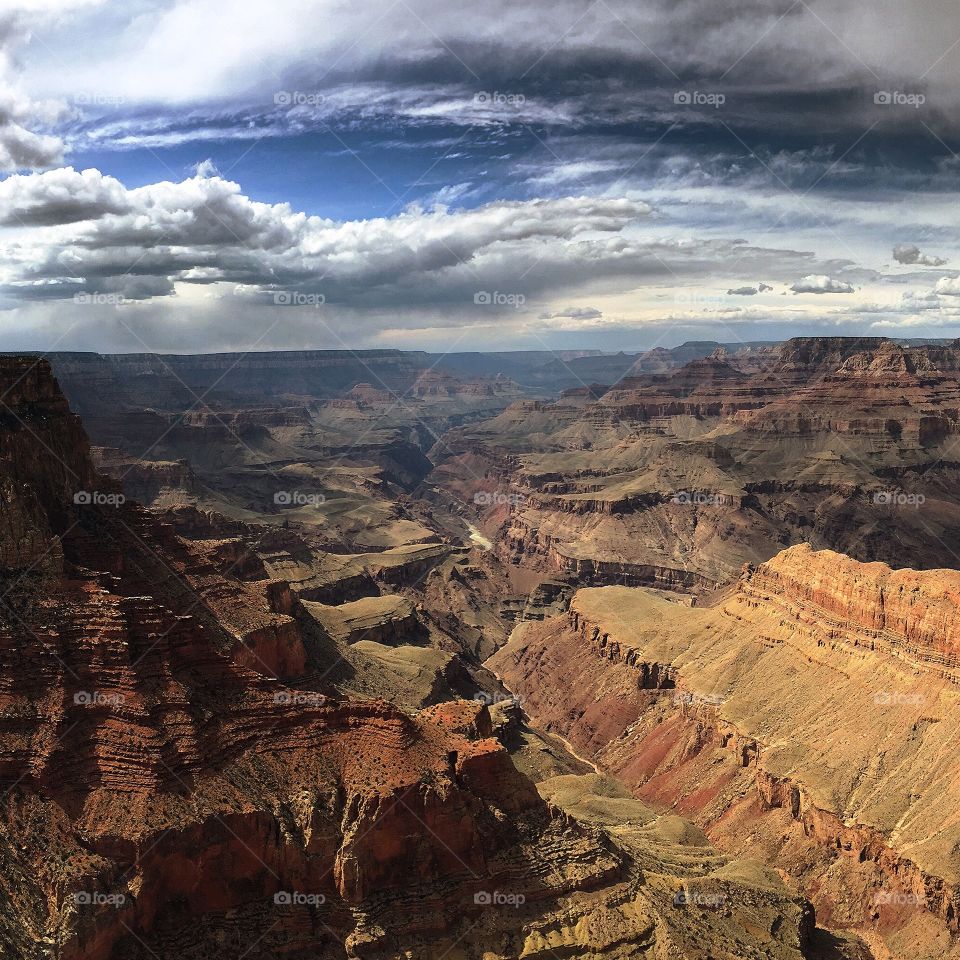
{"x": 810, "y": 718}
{"x": 164, "y": 795}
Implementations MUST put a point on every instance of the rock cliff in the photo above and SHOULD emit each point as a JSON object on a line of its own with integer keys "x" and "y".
{"x": 809, "y": 718}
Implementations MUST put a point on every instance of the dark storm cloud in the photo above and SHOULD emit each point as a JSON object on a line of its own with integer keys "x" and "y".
{"x": 789, "y": 75}
{"x": 908, "y": 253}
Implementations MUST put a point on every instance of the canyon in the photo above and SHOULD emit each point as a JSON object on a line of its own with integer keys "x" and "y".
{"x": 808, "y": 719}
{"x": 379, "y": 654}
{"x": 183, "y": 777}
{"x": 678, "y": 478}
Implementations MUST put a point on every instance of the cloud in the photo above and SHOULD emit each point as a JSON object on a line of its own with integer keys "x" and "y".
{"x": 542, "y": 144}
{"x": 25, "y": 141}
{"x": 821, "y": 284}
{"x": 908, "y": 253}
{"x": 87, "y": 231}
{"x": 172, "y": 39}
{"x": 20, "y": 148}
{"x": 545, "y": 61}
{"x": 60, "y": 197}
{"x": 574, "y": 313}
{"x": 91, "y": 232}
{"x": 188, "y": 264}
{"x": 912, "y": 302}
{"x": 948, "y": 286}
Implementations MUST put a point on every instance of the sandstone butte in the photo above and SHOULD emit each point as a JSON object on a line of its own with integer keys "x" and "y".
{"x": 169, "y": 791}
{"x": 809, "y": 718}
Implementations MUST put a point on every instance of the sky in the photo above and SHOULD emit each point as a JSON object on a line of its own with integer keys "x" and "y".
{"x": 191, "y": 176}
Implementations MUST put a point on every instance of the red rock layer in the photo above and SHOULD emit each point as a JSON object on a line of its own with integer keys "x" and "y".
{"x": 912, "y": 614}
{"x": 812, "y": 441}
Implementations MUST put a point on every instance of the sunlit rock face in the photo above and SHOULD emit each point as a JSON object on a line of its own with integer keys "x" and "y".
{"x": 806, "y": 718}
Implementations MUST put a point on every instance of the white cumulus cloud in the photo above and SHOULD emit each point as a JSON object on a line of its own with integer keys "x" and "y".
{"x": 820, "y": 283}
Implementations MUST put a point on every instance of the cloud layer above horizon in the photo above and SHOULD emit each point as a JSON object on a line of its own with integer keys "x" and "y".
{"x": 425, "y": 174}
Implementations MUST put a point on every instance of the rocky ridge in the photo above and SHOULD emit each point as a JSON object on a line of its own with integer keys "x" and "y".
{"x": 808, "y": 718}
